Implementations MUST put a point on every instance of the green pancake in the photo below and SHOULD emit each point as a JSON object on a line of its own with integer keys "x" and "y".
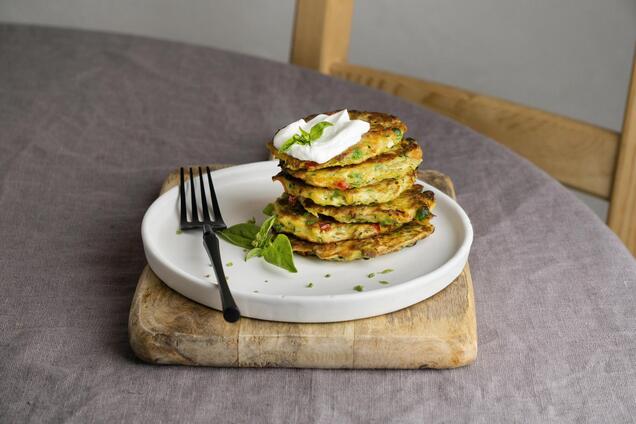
{"x": 401, "y": 159}
{"x": 371, "y": 247}
{"x": 411, "y": 204}
{"x": 291, "y": 218}
{"x": 381, "y": 192}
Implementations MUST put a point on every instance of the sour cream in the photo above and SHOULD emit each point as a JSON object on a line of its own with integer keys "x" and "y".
{"x": 334, "y": 140}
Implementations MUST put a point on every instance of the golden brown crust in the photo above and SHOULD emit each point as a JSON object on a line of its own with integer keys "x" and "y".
{"x": 381, "y": 192}
{"x": 291, "y": 218}
{"x": 351, "y": 250}
{"x": 401, "y": 159}
{"x": 400, "y": 210}
{"x": 385, "y": 132}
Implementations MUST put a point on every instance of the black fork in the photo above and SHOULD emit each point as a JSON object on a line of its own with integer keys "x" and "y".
{"x": 209, "y": 224}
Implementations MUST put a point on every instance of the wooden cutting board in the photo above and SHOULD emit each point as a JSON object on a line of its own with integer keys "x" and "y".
{"x": 440, "y": 332}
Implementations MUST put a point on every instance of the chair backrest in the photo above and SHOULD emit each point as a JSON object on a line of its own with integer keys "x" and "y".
{"x": 589, "y": 158}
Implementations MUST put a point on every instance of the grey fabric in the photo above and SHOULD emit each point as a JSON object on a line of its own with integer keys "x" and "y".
{"x": 89, "y": 126}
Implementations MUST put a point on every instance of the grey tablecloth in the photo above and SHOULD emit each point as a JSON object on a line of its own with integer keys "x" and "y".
{"x": 89, "y": 126}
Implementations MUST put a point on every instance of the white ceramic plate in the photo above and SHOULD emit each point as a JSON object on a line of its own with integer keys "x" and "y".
{"x": 267, "y": 292}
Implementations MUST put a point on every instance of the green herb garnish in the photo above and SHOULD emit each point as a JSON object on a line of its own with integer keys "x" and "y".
{"x": 397, "y": 132}
{"x": 269, "y": 209}
{"x": 179, "y": 231}
{"x": 386, "y": 271}
{"x": 261, "y": 242}
{"x": 309, "y": 285}
{"x": 359, "y": 288}
{"x": 357, "y": 154}
{"x": 383, "y": 282}
{"x": 422, "y": 213}
{"x": 229, "y": 264}
{"x": 327, "y": 275}
{"x": 241, "y": 235}
{"x": 305, "y": 137}
{"x": 371, "y": 275}
{"x": 280, "y": 253}
{"x": 355, "y": 178}
{"x": 311, "y": 220}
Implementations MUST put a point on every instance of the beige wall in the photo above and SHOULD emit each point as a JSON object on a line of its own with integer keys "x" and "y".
{"x": 258, "y": 27}
{"x": 565, "y": 56}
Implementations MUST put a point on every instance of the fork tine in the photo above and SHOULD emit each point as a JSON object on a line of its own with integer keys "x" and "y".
{"x": 182, "y": 200}
{"x": 193, "y": 200}
{"x": 215, "y": 203}
{"x": 204, "y": 202}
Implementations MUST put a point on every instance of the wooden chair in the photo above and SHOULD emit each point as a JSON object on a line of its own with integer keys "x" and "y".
{"x": 592, "y": 159}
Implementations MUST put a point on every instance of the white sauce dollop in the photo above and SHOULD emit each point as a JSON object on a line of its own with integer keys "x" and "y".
{"x": 334, "y": 140}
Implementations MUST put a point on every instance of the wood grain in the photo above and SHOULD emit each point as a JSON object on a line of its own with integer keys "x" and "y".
{"x": 622, "y": 212}
{"x": 440, "y": 332}
{"x": 167, "y": 328}
{"x": 578, "y": 154}
{"x": 322, "y": 30}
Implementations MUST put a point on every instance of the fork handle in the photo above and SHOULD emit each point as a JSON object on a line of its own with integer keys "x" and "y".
{"x": 231, "y": 312}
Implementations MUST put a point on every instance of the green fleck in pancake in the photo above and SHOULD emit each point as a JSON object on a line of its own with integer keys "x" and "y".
{"x": 400, "y": 160}
{"x": 384, "y": 191}
{"x": 291, "y": 218}
{"x": 411, "y": 204}
{"x": 351, "y": 250}
{"x": 386, "y": 131}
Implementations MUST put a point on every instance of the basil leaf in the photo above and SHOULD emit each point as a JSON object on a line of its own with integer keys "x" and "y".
{"x": 269, "y": 210}
{"x": 260, "y": 241}
{"x": 286, "y": 145}
{"x": 240, "y": 235}
{"x": 304, "y": 135}
{"x": 280, "y": 253}
{"x": 316, "y": 131}
{"x": 262, "y": 238}
{"x": 257, "y": 251}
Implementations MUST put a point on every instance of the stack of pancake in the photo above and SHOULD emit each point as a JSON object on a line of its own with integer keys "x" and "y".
{"x": 360, "y": 204}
